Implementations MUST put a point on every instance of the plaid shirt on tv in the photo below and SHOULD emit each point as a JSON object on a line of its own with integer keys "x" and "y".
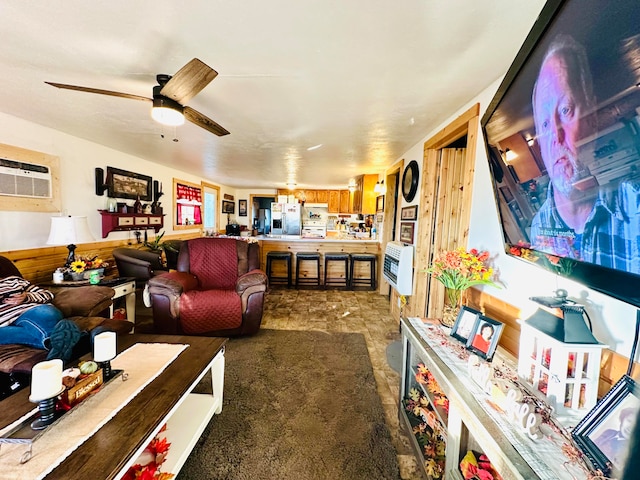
{"x": 611, "y": 235}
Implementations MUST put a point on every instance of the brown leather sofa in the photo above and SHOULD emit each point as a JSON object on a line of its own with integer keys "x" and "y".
{"x": 87, "y": 306}
{"x": 217, "y": 290}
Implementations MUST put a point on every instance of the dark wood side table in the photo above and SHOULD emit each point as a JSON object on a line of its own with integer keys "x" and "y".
{"x": 169, "y": 397}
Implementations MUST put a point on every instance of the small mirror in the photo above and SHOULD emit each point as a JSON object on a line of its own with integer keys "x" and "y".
{"x": 410, "y": 181}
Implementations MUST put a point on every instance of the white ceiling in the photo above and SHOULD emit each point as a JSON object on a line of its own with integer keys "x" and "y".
{"x": 367, "y": 79}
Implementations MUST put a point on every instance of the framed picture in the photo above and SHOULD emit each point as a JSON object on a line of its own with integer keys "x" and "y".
{"x": 380, "y": 204}
{"x": 603, "y": 434}
{"x": 409, "y": 213}
{"x": 187, "y": 204}
{"x": 406, "y": 232}
{"x": 228, "y": 206}
{"x": 124, "y": 184}
{"x": 465, "y": 323}
{"x": 484, "y": 337}
{"x": 242, "y": 208}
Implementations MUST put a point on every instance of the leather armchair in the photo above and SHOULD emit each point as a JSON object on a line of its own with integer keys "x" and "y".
{"x": 139, "y": 264}
{"x": 217, "y": 290}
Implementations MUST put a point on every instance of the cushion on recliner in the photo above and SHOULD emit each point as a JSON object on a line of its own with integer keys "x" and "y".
{"x": 214, "y": 262}
{"x": 209, "y": 310}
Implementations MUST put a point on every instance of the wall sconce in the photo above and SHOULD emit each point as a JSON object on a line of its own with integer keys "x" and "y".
{"x": 380, "y": 189}
{"x": 531, "y": 141}
{"x": 508, "y": 155}
{"x": 352, "y": 185}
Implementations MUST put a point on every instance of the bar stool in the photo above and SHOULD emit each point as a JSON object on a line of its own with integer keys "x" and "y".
{"x": 307, "y": 256}
{"x": 371, "y": 279}
{"x": 279, "y": 256}
{"x": 341, "y": 281}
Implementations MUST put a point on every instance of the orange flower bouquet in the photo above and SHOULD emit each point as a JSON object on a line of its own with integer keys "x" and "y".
{"x": 460, "y": 269}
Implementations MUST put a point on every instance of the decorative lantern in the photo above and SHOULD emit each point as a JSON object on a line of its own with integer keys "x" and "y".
{"x": 560, "y": 359}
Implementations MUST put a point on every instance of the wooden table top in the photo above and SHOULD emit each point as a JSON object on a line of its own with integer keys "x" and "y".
{"x": 104, "y": 454}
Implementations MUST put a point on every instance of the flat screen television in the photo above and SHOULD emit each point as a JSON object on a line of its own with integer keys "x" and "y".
{"x": 563, "y": 141}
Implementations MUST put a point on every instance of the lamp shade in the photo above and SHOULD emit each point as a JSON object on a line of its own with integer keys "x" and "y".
{"x": 69, "y": 230}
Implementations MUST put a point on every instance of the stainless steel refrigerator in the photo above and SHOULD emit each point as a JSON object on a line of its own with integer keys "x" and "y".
{"x": 285, "y": 219}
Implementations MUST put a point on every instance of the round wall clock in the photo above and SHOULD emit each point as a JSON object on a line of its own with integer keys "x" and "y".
{"x": 410, "y": 181}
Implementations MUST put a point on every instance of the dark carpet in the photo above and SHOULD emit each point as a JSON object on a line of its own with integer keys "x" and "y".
{"x": 298, "y": 405}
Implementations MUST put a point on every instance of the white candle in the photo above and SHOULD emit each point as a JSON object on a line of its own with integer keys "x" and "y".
{"x": 46, "y": 380}
{"x": 104, "y": 346}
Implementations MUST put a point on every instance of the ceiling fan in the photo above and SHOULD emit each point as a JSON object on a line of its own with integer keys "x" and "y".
{"x": 170, "y": 96}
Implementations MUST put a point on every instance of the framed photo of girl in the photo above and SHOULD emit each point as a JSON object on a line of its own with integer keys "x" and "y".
{"x": 604, "y": 434}
{"x": 465, "y": 323}
{"x": 484, "y": 338}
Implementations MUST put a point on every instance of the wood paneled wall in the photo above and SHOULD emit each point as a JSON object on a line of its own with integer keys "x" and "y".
{"x": 38, "y": 264}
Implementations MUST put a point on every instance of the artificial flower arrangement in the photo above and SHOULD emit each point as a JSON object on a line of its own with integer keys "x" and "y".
{"x": 428, "y": 432}
{"x": 148, "y": 465}
{"x": 460, "y": 269}
{"x": 426, "y": 378}
{"x": 478, "y": 467}
{"x": 84, "y": 263}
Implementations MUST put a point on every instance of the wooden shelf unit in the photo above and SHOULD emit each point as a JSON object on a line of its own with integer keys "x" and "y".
{"x": 467, "y": 425}
{"x": 114, "y": 221}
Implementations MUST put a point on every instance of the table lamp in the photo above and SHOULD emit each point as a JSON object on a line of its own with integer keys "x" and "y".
{"x": 69, "y": 231}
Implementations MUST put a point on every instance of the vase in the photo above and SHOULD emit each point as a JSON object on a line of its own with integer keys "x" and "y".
{"x": 452, "y": 305}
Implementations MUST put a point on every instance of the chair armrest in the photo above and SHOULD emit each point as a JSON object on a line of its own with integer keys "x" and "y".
{"x": 255, "y": 281}
{"x": 173, "y": 283}
{"x": 87, "y": 301}
{"x": 251, "y": 279}
{"x": 165, "y": 290}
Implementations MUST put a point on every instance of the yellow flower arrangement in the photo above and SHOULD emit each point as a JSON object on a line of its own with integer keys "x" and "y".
{"x": 82, "y": 264}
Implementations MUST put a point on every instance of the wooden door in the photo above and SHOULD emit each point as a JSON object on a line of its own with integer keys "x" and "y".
{"x": 445, "y": 206}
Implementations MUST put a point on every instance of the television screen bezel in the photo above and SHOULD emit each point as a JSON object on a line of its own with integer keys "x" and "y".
{"x": 615, "y": 283}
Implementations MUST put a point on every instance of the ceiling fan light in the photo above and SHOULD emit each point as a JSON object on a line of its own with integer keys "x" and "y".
{"x": 167, "y": 111}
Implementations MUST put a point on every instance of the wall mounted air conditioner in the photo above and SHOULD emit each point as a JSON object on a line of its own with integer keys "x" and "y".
{"x": 398, "y": 267}
{"x": 22, "y": 179}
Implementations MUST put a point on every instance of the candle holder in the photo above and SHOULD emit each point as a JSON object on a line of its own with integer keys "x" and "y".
{"x": 106, "y": 369}
{"x": 47, "y": 411}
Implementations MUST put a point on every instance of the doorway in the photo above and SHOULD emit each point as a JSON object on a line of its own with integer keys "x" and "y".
{"x": 261, "y": 213}
{"x": 445, "y": 206}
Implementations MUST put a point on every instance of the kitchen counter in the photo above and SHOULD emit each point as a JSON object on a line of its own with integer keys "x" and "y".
{"x": 298, "y": 238}
{"x": 296, "y": 244}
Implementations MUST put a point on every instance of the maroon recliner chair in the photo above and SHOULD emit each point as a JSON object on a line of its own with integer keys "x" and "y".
{"x": 217, "y": 290}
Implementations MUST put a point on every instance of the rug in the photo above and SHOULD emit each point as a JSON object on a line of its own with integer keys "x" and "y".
{"x": 298, "y": 405}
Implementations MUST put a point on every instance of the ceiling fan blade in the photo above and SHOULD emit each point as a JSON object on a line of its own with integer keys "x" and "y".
{"x": 189, "y": 80}
{"x": 203, "y": 121}
{"x": 98, "y": 91}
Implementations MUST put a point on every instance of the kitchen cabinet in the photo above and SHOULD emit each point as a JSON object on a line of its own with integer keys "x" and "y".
{"x": 322, "y": 196}
{"x": 334, "y": 201}
{"x": 345, "y": 201}
{"x": 114, "y": 221}
{"x": 364, "y": 195}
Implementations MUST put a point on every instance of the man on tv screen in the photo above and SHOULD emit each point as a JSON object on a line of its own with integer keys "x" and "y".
{"x": 579, "y": 219}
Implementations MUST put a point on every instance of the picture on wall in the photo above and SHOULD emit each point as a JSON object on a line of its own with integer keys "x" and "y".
{"x": 228, "y": 206}
{"x": 406, "y": 232}
{"x": 409, "y": 213}
{"x": 124, "y": 184}
{"x": 242, "y": 208}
